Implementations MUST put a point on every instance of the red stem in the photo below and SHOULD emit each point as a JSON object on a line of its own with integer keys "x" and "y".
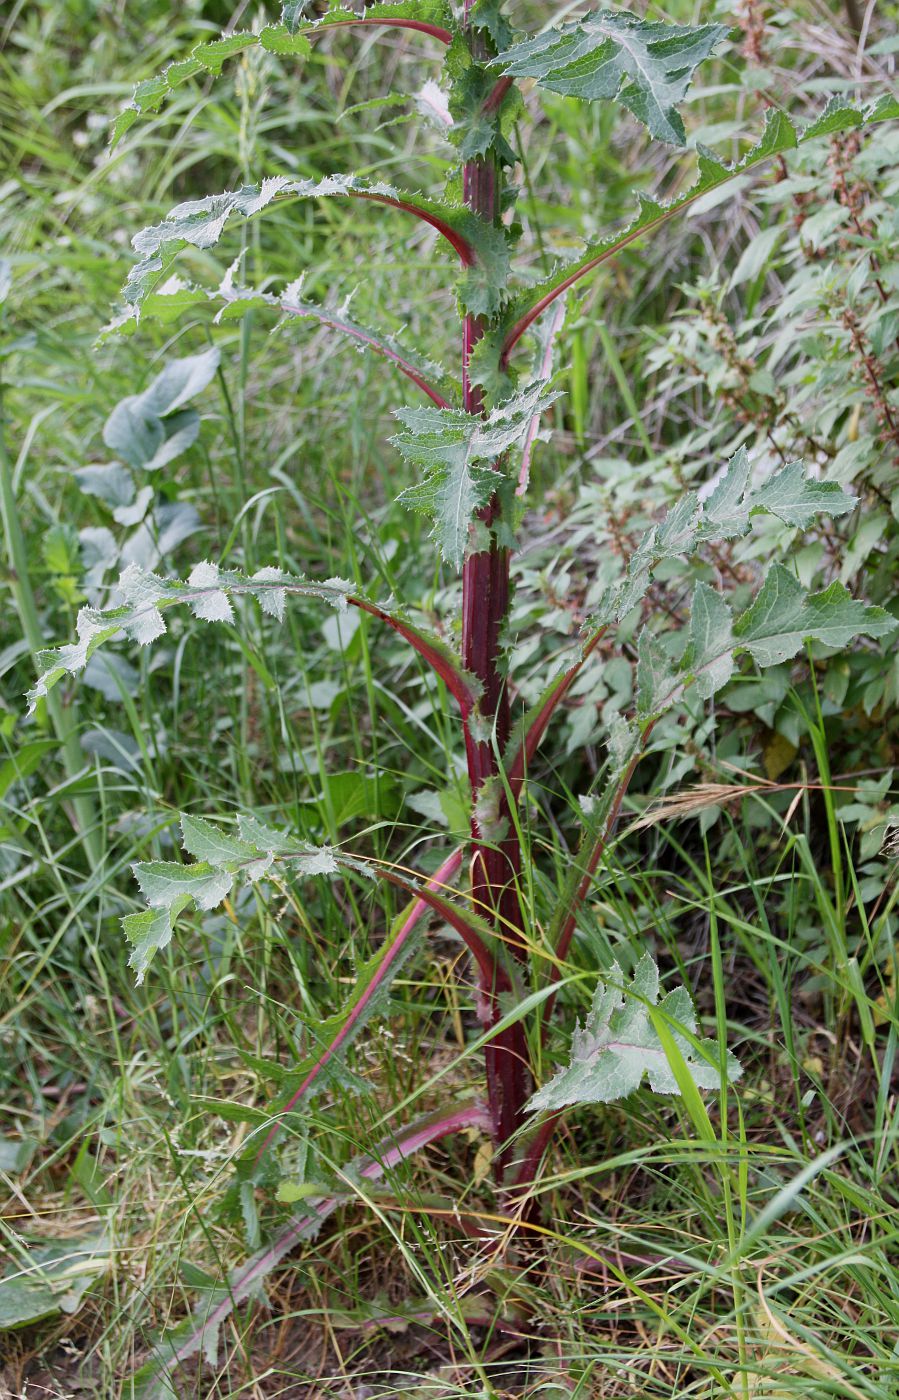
{"x": 457, "y": 240}
{"x": 485, "y": 604}
{"x": 435, "y": 30}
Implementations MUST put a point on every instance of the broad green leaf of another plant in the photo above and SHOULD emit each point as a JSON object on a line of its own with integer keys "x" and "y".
{"x": 151, "y": 429}
{"x": 774, "y": 628}
{"x": 647, "y": 66}
{"x": 449, "y": 444}
{"x": 54, "y": 1279}
{"x": 618, "y": 1046}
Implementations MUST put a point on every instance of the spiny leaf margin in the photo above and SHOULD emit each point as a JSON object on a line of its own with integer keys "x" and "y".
{"x": 618, "y": 1046}
{"x": 781, "y": 134}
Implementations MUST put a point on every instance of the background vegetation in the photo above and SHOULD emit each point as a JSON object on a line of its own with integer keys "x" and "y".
{"x": 754, "y": 857}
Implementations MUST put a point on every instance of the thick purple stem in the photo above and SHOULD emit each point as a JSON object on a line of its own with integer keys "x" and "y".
{"x": 495, "y": 867}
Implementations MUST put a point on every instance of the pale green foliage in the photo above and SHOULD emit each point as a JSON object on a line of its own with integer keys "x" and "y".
{"x": 619, "y": 1045}
{"x": 149, "y": 430}
{"x": 169, "y": 301}
{"x": 783, "y": 616}
{"x": 222, "y": 860}
{"x": 774, "y": 628}
{"x": 200, "y": 223}
{"x": 647, "y": 66}
{"x": 143, "y": 598}
{"x": 449, "y": 443}
{"x": 726, "y": 514}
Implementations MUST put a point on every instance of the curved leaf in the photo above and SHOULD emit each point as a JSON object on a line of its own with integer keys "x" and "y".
{"x": 167, "y": 302}
{"x": 289, "y": 40}
{"x": 780, "y": 135}
{"x": 199, "y": 1333}
{"x": 483, "y": 247}
{"x": 145, "y": 597}
{"x": 618, "y": 1046}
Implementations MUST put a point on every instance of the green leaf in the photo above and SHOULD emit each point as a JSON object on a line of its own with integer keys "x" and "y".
{"x": 726, "y": 514}
{"x": 169, "y": 301}
{"x": 200, "y": 223}
{"x": 144, "y": 597}
{"x": 148, "y": 932}
{"x": 618, "y": 1046}
{"x": 710, "y": 641}
{"x": 780, "y": 135}
{"x": 165, "y": 883}
{"x": 209, "y": 843}
{"x": 449, "y": 443}
{"x": 54, "y": 1279}
{"x": 783, "y": 617}
{"x": 647, "y": 66}
{"x": 288, "y": 39}
{"x": 151, "y": 429}
{"x": 224, "y": 860}
{"x": 773, "y": 629}
{"x": 655, "y": 677}
{"x": 796, "y": 498}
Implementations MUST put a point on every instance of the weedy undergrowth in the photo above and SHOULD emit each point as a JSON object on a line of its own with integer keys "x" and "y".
{"x": 469, "y": 446}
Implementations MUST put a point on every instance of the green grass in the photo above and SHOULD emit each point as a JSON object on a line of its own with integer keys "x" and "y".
{"x": 744, "y": 1245}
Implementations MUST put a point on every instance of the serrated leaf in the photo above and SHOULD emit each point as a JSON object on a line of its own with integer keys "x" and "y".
{"x": 163, "y": 883}
{"x": 209, "y": 601}
{"x": 710, "y": 641}
{"x": 174, "y": 297}
{"x": 200, "y": 223}
{"x": 148, "y": 932}
{"x": 143, "y": 597}
{"x": 796, "y": 498}
{"x": 647, "y": 66}
{"x": 207, "y": 842}
{"x": 449, "y": 443}
{"x": 780, "y": 135}
{"x": 723, "y": 508}
{"x": 725, "y": 514}
{"x": 288, "y": 39}
{"x": 784, "y": 616}
{"x": 655, "y": 676}
{"x": 618, "y": 1047}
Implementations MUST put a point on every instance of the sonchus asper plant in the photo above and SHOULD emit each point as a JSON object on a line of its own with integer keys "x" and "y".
{"x": 466, "y": 445}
